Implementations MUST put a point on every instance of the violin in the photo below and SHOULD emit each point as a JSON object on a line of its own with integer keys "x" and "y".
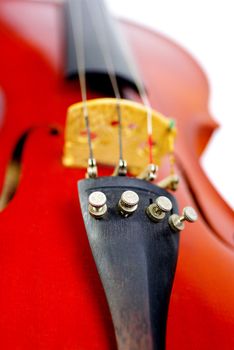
{"x": 102, "y": 123}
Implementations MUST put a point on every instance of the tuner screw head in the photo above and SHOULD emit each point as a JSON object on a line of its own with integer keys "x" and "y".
{"x": 177, "y": 222}
{"x": 128, "y": 203}
{"x": 189, "y": 214}
{"x": 157, "y": 211}
{"x": 97, "y": 204}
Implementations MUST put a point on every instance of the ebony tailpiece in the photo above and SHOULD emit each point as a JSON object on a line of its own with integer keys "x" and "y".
{"x": 136, "y": 259}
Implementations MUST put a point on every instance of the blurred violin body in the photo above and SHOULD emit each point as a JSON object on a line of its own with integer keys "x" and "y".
{"x": 51, "y": 296}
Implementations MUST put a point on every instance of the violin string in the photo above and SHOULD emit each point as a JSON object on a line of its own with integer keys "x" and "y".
{"x": 143, "y": 95}
{"x": 146, "y": 103}
{"x": 80, "y": 56}
{"x": 139, "y": 85}
{"x": 103, "y": 40}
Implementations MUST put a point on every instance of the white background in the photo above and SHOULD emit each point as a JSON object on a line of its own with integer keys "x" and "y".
{"x": 206, "y": 29}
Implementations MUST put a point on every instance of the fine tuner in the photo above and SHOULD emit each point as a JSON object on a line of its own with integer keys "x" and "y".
{"x": 128, "y": 204}
{"x": 157, "y": 211}
{"x": 177, "y": 222}
{"x": 97, "y": 204}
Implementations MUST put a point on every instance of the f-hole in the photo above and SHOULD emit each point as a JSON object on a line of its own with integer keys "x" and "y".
{"x": 13, "y": 170}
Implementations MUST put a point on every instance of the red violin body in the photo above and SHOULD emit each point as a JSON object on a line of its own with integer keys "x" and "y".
{"x": 50, "y": 293}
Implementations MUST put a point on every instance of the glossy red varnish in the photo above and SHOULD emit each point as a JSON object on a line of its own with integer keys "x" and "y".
{"x": 50, "y": 293}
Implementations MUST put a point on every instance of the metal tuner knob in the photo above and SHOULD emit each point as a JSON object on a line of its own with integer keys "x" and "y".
{"x": 177, "y": 222}
{"x": 128, "y": 203}
{"x": 157, "y": 211}
{"x": 97, "y": 204}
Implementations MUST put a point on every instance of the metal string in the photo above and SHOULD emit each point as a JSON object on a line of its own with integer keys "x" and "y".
{"x": 103, "y": 39}
{"x": 139, "y": 84}
{"x": 80, "y": 56}
{"x": 143, "y": 95}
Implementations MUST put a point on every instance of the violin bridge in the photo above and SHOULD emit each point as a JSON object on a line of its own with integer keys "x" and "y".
{"x": 103, "y": 122}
